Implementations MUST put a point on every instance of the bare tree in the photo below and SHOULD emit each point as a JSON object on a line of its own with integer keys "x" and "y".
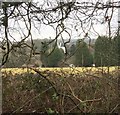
{"x": 66, "y": 17}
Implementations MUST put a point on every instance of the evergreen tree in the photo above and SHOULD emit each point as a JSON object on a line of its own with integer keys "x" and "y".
{"x": 103, "y": 52}
{"x": 116, "y": 48}
{"x": 51, "y": 57}
{"x": 83, "y": 57}
{"x": 55, "y": 57}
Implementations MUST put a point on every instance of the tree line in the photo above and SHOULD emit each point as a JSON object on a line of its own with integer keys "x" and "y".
{"x": 105, "y": 52}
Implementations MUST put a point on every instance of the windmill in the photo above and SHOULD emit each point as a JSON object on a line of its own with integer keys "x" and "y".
{"x": 61, "y": 47}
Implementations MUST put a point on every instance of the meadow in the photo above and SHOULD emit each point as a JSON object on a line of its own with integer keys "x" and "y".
{"x": 68, "y": 70}
{"x": 60, "y": 90}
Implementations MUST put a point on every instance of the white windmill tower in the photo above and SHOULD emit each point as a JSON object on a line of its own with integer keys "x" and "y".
{"x": 61, "y": 47}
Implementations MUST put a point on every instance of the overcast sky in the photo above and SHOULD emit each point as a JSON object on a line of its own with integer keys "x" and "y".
{"x": 102, "y": 29}
{"x": 49, "y": 32}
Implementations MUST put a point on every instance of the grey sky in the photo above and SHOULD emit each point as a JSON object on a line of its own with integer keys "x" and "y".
{"x": 49, "y": 32}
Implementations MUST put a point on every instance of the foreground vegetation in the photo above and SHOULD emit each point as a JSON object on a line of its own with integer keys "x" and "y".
{"x": 60, "y": 90}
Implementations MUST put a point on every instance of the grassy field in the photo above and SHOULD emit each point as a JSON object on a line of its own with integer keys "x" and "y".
{"x": 68, "y": 70}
